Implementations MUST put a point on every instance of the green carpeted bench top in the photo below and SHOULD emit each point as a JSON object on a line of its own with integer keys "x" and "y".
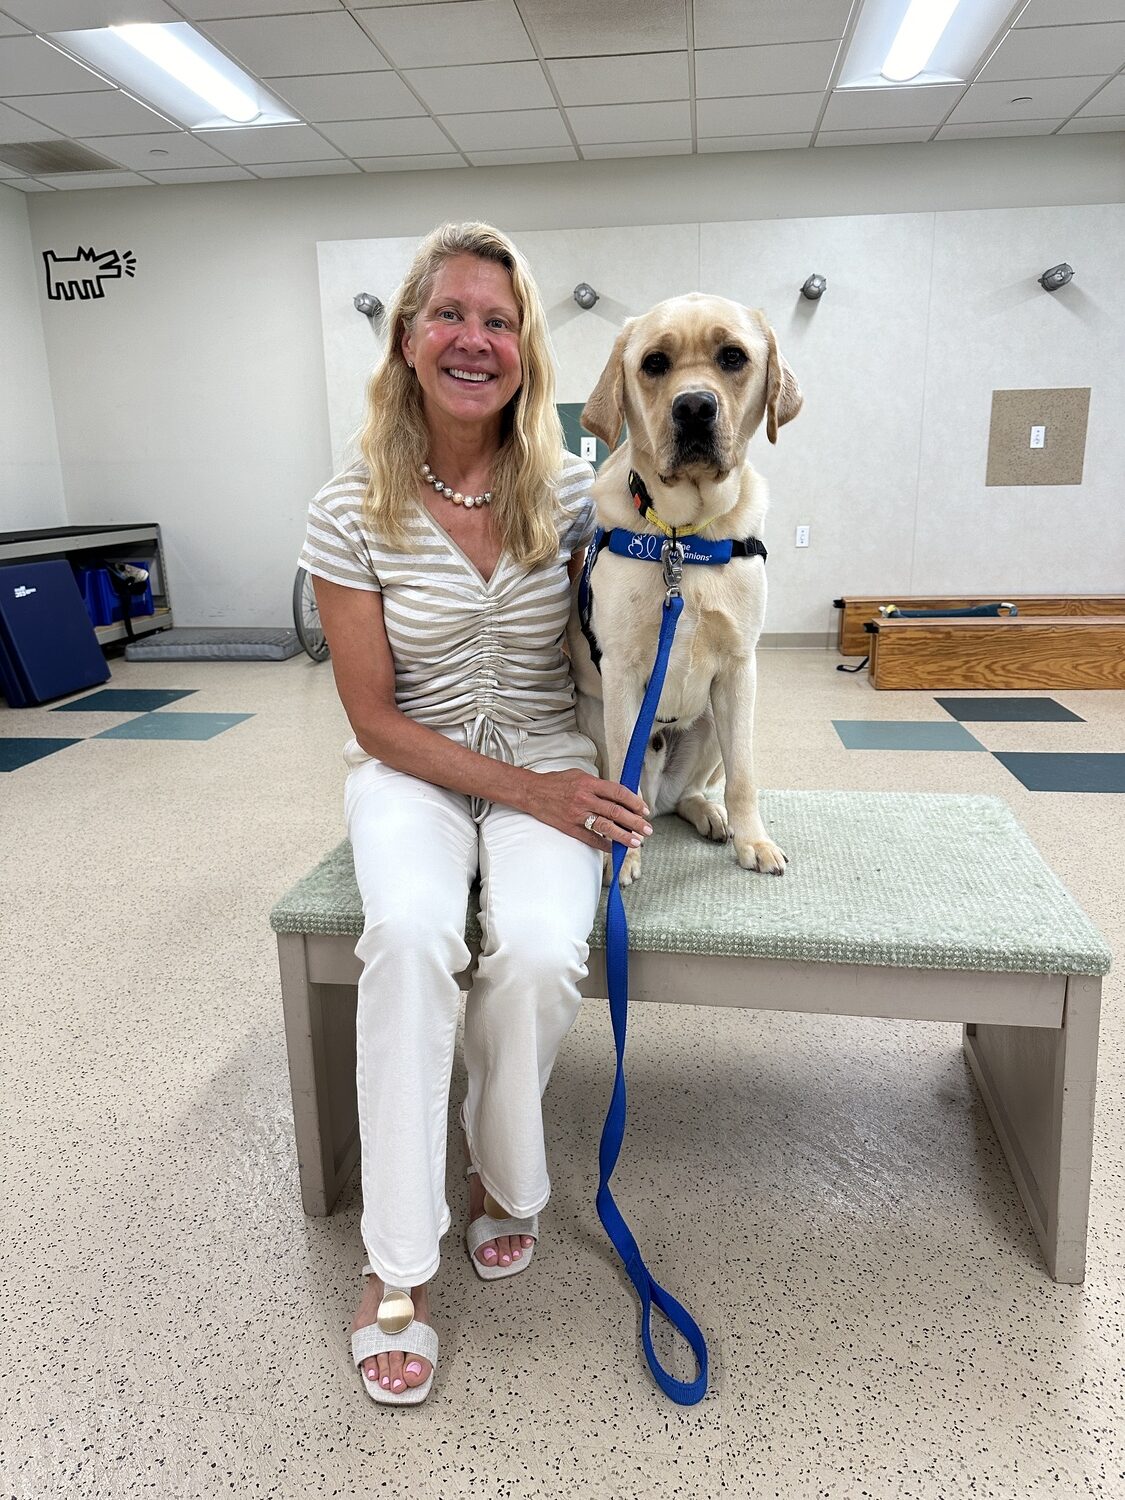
{"x": 914, "y": 880}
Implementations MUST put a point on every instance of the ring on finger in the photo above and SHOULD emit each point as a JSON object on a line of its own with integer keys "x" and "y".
{"x": 589, "y": 821}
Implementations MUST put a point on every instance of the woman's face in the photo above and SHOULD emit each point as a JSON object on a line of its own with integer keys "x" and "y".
{"x": 465, "y": 344}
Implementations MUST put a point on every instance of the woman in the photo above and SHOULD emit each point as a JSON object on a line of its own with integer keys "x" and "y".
{"x": 443, "y": 565}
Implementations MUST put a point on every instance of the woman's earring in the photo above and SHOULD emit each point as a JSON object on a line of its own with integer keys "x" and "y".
{"x": 410, "y": 364}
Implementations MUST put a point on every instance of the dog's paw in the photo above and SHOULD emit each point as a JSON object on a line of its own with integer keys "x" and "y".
{"x": 706, "y": 817}
{"x": 763, "y": 855}
{"x": 630, "y": 868}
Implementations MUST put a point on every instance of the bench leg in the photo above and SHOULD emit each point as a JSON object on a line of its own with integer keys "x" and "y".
{"x": 1039, "y": 1086}
{"x": 320, "y": 1041}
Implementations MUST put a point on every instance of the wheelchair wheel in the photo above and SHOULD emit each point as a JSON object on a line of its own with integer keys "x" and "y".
{"x": 306, "y": 617}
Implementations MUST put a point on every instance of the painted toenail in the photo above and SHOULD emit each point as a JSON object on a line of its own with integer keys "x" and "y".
{"x": 386, "y": 1380}
{"x": 505, "y": 1260}
{"x": 490, "y": 1254}
{"x": 414, "y": 1368}
{"x": 397, "y": 1385}
{"x": 516, "y": 1254}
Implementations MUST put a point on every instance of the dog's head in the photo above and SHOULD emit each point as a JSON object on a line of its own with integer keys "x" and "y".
{"x": 693, "y": 378}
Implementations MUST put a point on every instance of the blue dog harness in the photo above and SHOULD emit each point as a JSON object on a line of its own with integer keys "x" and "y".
{"x": 671, "y": 551}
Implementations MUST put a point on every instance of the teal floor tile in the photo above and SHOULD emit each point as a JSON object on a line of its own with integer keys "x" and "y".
{"x": 890, "y": 734}
{"x": 124, "y": 701}
{"x": 1041, "y": 771}
{"x": 1009, "y": 710}
{"x": 17, "y": 753}
{"x": 173, "y": 726}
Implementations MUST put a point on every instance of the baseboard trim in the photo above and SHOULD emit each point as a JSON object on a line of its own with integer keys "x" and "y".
{"x": 809, "y": 640}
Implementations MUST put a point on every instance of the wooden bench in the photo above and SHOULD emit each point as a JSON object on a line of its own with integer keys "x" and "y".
{"x": 927, "y": 907}
{"x": 857, "y": 609}
{"x": 998, "y": 652}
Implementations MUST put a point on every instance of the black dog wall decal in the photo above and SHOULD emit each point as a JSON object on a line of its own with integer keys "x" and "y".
{"x": 81, "y": 276}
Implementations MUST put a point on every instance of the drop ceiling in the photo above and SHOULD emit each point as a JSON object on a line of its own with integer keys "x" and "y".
{"x": 475, "y": 83}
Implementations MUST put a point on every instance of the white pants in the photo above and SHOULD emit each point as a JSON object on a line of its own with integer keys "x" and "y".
{"x": 417, "y": 849}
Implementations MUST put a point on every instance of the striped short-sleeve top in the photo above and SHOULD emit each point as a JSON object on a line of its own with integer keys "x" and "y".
{"x": 468, "y": 652}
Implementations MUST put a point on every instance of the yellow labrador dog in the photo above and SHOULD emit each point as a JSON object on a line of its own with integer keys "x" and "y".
{"x": 693, "y": 379}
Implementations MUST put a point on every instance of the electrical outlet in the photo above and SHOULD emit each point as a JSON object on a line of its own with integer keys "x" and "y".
{"x": 802, "y": 537}
{"x": 588, "y": 449}
{"x": 1038, "y": 437}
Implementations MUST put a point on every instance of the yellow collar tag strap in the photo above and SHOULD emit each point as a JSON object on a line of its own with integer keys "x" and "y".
{"x": 647, "y": 511}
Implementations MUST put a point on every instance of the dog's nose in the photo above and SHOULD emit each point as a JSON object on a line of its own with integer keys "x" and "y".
{"x": 694, "y": 409}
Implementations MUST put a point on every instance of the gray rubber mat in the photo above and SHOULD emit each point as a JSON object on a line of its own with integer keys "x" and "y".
{"x": 216, "y": 643}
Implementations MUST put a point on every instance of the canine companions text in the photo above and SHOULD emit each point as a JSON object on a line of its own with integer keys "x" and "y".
{"x": 692, "y": 379}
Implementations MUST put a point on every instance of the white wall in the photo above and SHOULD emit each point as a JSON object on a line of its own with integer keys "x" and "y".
{"x": 31, "y": 485}
{"x": 195, "y": 393}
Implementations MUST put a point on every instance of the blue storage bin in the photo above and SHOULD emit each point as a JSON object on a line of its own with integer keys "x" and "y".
{"x": 102, "y": 601}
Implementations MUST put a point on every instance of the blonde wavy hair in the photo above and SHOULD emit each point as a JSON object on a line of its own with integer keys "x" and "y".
{"x": 394, "y": 439}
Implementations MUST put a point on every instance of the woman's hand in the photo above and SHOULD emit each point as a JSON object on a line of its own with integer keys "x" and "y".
{"x": 594, "y": 812}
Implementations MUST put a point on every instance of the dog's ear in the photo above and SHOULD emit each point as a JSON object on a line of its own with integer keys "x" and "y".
{"x": 604, "y": 412}
{"x": 783, "y": 394}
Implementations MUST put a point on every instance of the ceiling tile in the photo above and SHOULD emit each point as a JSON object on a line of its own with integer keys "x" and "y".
{"x": 28, "y": 185}
{"x": 783, "y": 142}
{"x": 768, "y": 114}
{"x": 887, "y": 134}
{"x": 289, "y": 46}
{"x": 83, "y": 15}
{"x": 600, "y": 150}
{"x": 1082, "y": 125}
{"x": 173, "y": 175}
{"x": 469, "y": 31}
{"x": 433, "y": 162}
{"x": 210, "y": 10}
{"x": 795, "y": 69}
{"x": 463, "y": 91}
{"x": 95, "y": 180}
{"x": 107, "y": 112}
{"x": 15, "y": 126}
{"x": 348, "y": 96}
{"x": 871, "y": 109}
{"x": 1069, "y": 12}
{"x": 1047, "y": 98}
{"x": 735, "y": 23}
{"x": 175, "y": 149}
{"x": 514, "y": 157}
{"x": 996, "y": 127}
{"x": 648, "y": 76}
{"x": 629, "y": 122}
{"x": 272, "y": 143}
{"x": 304, "y": 168}
{"x": 29, "y": 66}
{"x": 590, "y": 28}
{"x": 496, "y": 132}
{"x": 1057, "y": 52}
{"x": 385, "y": 137}
{"x": 1107, "y": 101}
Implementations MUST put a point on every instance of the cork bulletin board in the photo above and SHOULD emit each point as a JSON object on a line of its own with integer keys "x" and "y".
{"x": 1062, "y": 413}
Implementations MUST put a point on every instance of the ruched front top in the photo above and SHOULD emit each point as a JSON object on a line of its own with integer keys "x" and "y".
{"x": 470, "y": 654}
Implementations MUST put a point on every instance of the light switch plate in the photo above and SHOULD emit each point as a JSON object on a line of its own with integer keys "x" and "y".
{"x": 589, "y": 450}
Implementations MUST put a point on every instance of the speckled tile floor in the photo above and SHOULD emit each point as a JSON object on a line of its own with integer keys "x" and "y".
{"x": 828, "y": 1191}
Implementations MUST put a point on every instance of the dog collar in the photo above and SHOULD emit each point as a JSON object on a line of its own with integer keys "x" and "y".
{"x": 647, "y": 511}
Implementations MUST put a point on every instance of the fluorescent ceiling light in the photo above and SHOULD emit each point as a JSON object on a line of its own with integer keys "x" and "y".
{"x": 912, "y": 48}
{"x": 168, "y": 51}
{"x": 177, "y": 71}
{"x": 953, "y": 41}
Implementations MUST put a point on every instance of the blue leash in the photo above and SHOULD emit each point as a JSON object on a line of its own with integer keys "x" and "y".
{"x": 686, "y": 1392}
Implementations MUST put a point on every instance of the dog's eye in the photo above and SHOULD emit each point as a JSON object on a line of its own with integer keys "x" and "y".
{"x": 731, "y": 357}
{"x": 656, "y": 364}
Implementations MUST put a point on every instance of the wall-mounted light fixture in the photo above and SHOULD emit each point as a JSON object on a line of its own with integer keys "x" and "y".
{"x": 1057, "y": 276}
{"x": 585, "y": 295}
{"x": 814, "y": 287}
{"x": 368, "y": 304}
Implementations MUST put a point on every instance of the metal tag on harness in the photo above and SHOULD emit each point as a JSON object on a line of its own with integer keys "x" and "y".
{"x": 672, "y": 561}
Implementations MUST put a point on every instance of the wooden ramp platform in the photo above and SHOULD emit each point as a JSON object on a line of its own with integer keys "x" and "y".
{"x": 1001, "y": 652}
{"x": 857, "y": 609}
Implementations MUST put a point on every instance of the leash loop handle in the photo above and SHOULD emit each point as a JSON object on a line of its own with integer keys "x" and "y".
{"x": 650, "y": 1292}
